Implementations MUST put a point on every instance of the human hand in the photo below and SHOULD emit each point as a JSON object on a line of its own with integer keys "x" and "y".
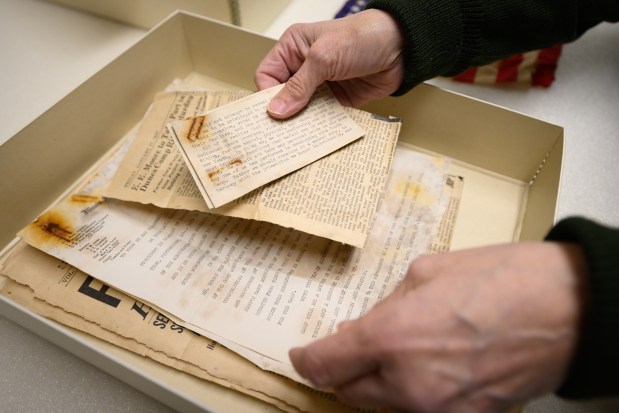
{"x": 478, "y": 330}
{"x": 360, "y": 54}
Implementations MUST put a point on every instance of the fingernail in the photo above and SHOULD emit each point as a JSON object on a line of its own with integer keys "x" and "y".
{"x": 277, "y": 106}
{"x": 317, "y": 375}
{"x": 319, "y": 378}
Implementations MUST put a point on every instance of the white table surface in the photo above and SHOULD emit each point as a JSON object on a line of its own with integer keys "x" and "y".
{"x": 48, "y": 50}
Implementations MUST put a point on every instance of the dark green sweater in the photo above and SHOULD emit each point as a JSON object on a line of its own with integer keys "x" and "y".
{"x": 594, "y": 370}
{"x": 445, "y": 37}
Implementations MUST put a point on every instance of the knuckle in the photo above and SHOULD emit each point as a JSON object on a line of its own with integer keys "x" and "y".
{"x": 421, "y": 267}
{"x": 291, "y": 32}
{"x": 296, "y": 88}
{"x": 324, "y": 55}
{"x": 295, "y": 28}
{"x": 329, "y": 56}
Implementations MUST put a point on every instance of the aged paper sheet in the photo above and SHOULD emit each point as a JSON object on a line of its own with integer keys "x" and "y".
{"x": 243, "y": 282}
{"x": 153, "y": 169}
{"x": 454, "y": 186}
{"x": 236, "y": 148}
{"x": 335, "y": 197}
{"x": 62, "y": 293}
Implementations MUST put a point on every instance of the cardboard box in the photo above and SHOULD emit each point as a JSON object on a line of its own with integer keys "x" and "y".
{"x": 511, "y": 165}
{"x": 251, "y": 14}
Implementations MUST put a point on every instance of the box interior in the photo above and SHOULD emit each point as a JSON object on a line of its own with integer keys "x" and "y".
{"x": 511, "y": 163}
{"x": 252, "y": 14}
{"x": 507, "y": 195}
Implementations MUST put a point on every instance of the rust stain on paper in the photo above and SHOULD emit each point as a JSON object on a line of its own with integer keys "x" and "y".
{"x": 195, "y": 128}
{"x": 53, "y": 227}
{"x": 213, "y": 176}
{"x": 85, "y": 199}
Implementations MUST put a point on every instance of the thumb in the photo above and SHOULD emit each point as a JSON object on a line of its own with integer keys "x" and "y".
{"x": 296, "y": 92}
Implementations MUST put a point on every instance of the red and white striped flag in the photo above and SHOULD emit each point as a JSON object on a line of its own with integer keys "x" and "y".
{"x": 536, "y": 68}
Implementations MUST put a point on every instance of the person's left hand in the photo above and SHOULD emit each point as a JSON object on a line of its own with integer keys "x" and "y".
{"x": 360, "y": 55}
{"x": 479, "y": 330}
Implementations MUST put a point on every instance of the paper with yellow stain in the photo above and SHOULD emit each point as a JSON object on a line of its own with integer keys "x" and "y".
{"x": 257, "y": 288}
{"x": 334, "y": 197}
{"x": 152, "y": 171}
{"x": 59, "y": 291}
{"x": 236, "y": 148}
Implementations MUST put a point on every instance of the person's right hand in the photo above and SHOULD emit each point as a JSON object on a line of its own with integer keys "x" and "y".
{"x": 361, "y": 56}
{"x": 478, "y": 330}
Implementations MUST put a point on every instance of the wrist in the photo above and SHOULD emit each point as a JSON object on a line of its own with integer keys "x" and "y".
{"x": 593, "y": 369}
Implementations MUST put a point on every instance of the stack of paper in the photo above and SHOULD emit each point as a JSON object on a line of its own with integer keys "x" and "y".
{"x": 332, "y": 196}
{"x": 276, "y": 268}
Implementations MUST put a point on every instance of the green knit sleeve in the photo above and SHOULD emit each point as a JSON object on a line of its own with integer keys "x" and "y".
{"x": 593, "y": 372}
{"x": 446, "y": 37}
{"x": 435, "y": 33}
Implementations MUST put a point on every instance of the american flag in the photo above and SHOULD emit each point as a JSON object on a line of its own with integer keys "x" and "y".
{"x": 535, "y": 68}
